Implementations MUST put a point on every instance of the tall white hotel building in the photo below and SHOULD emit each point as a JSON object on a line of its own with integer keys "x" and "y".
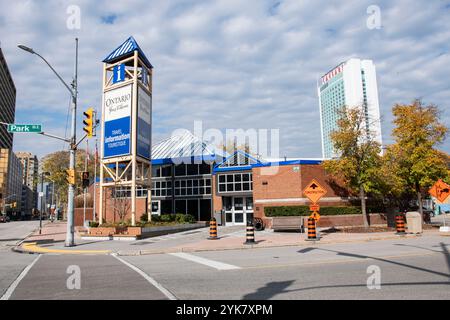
{"x": 354, "y": 84}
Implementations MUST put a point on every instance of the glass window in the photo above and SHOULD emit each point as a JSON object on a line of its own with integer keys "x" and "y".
{"x": 180, "y": 170}
{"x": 204, "y": 168}
{"x": 192, "y": 169}
{"x": 249, "y": 203}
{"x": 166, "y": 171}
{"x": 238, "y": 203}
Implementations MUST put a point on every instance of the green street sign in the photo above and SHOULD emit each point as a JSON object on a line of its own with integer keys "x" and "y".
{"x": 35, "y": 128}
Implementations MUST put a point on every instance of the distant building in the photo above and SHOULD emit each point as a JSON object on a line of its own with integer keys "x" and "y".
{"x": 7, "y": 103}
{"x": 10, "y": 181}
{"x": 354, "y": 84}
{"x": 30, "y": 166}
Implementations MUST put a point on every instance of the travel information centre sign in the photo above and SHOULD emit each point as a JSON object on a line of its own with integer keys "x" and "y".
{"x": 117, "y": 127}
{"x": 144, "y": 124}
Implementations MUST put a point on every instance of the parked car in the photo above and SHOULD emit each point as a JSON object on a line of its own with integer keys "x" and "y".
{"x": 4, "y": 218}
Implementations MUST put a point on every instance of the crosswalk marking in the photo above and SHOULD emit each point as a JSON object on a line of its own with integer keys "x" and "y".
{"x": 207, "y": 262}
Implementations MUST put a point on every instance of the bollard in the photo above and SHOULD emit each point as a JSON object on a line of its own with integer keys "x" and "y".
{"x": 400, "y": 224}
{"x": 213, "y": 229}
{"x": 250, "y": 235}
{"x": 312, "y": 235}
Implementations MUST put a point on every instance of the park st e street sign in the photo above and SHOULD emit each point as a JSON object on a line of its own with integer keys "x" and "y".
{"x": 19, "y": 128}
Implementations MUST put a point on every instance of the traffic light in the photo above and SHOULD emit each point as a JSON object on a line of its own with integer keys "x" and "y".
{"x": 85, "y": 177}
{"x": 70, "y": 176}
{"x": 89, "y": 122}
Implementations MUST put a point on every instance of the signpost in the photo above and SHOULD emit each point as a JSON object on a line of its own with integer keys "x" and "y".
{"x": 24, "y": 128}
{"x": 314, "y": 191}
{"x": 440, "y": 190}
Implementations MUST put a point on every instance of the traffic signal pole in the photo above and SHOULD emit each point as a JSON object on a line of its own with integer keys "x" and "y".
{"x": 72, "y": 141}
{"x": 70, "y": 241}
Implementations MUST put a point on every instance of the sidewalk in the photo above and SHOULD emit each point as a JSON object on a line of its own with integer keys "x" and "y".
{"x": 53, "y": 235}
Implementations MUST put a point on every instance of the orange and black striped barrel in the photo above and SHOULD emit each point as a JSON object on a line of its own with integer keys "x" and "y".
{"x": 312, "y": 235}
{"x": 400, "y": 223}
{"x": 250, "y": 235}
{"x": 213, "y": 229}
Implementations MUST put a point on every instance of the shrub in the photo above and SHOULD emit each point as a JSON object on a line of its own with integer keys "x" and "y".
{"x": 283, "y": 211}
{"x": 93, "y": 224}
{"x": 184, "y": 218}
{"x": 144, "y": 217}
{"x": 156, "y": 218}
{"x": 167, "y": 218}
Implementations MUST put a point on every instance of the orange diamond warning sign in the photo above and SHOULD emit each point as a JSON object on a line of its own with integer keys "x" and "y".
{"x": 314, "y": 191}
{"x": 315, "y": 215}
{"x": 440, "y": 190}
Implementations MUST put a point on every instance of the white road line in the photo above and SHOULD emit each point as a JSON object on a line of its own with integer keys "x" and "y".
{"x": 152, "y": 281}
{"x": 16, "y": 282}
{"x": 207, "y": 262}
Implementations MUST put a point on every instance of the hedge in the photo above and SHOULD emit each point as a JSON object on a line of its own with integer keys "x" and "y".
{"x": 283, "y": 211}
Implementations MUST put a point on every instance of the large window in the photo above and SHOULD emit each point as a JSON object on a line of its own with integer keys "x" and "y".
{"x": 193, "y": 187}
{"x": 192, "y": 169}
{"x": 162, "y": 188}
{"x": 125, "y": 192}
{"x": 235, "y": 182}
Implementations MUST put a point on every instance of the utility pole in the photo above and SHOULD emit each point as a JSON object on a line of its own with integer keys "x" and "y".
{"x": 95, "y": 180}
{"x": 73, "y": 89}
{"x": 85, "y": 188}
{"x": 70, "y": 241}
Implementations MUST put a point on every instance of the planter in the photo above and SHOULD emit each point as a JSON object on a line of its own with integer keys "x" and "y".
{"x": 140, "y": 232}
{"x": 102, "y": 231}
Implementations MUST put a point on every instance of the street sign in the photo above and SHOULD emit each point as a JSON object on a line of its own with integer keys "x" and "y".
{"x": 314, "y": 207}
{"x": 440, "y": 190}
{"x": 24, "y": 128}
{"x": 314, "y": 191}
{"x": 41, "y": 194}
{"x": 315, "y": 215}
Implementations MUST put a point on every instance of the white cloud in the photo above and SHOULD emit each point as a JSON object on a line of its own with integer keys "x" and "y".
{"x": 230, "y": 63}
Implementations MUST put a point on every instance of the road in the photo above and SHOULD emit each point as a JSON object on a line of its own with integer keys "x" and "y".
{"x": 13, "y": 232}
{"x": 11, "y": 264}
{"x": 416, "y": 268}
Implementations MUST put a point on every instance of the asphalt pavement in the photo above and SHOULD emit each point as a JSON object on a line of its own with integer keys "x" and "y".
{"x": 404, "y": 268}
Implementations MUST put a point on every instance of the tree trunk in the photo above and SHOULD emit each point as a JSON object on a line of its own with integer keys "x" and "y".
{"x": 419, "y": 201}
{"x": 362, "y": 195}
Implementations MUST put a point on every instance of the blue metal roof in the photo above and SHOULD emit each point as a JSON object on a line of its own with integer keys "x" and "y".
{"x": 126, "y": 49}
{"x": 184, "y": 147}
{"x": 255, "y": 163}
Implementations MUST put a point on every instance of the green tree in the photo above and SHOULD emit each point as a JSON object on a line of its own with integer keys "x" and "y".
{"x": 413, "y": 159}
{"x": 359, "y": 158}
{"x": 57, "y": 163}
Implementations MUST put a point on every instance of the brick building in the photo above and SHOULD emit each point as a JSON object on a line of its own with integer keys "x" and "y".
{"x": 190, "y": 176}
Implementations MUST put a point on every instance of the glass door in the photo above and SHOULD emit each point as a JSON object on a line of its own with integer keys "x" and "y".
{"x": 239, "y": 213}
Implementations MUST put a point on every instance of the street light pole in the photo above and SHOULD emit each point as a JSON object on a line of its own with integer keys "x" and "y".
{"x": 73, "y": 144}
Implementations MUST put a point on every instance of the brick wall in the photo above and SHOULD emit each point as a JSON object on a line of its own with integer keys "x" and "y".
{"x": 283, "y": 186}
{"x": 108, "y": 214}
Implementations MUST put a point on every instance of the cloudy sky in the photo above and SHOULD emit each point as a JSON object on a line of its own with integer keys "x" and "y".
{"x": 232, "y": 64}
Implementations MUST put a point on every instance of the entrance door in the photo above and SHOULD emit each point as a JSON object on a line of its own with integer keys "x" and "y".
{"x": 237, "y": 210}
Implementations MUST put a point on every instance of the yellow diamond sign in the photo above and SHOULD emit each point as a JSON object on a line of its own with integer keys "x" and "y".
{"x": 314, "y": 191}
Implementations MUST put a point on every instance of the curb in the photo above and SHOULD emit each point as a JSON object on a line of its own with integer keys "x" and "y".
{"x": 246, "y": 247}
{"x": 33, "y": 248}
